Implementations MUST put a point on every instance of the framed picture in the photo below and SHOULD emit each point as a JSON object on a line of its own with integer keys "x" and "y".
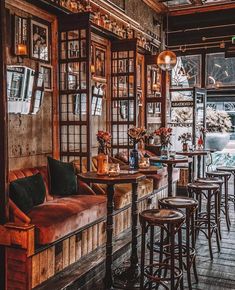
{"x": 99, "y": 59}
{"x": 47, "y": 75}
{"x": 40, "y": 43}
{"x": 21, "y": 37}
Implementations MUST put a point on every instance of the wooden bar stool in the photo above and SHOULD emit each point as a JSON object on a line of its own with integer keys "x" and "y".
{"x": 188, "y": 248}
{"x": 215, "y": 180}
{"x": 230, "y": 169}
{"x": 224, "y": 196}
{"x": 170, "y": 222}
{"x": 206, "y": 221}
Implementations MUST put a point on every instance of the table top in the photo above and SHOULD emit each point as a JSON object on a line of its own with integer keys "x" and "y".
{"x": 171, "y": 160}
{"x": 126, "y": 177}
{"x": 193, "y": 153}
{"x": 148, "y": 170}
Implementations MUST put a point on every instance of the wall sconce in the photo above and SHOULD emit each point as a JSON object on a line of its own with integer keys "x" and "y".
{"x": 154, "y": 87}
{"x": 21, "y": 51}
{"x": 92, "y": 69}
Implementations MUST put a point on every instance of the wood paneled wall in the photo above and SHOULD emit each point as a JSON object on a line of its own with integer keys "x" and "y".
{"x": 32, "y": 137}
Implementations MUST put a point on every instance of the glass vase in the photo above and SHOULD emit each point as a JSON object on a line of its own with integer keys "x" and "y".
{"x": 102, "y": 164}
{"x": 134, "y": 158}
{"x": 164, "y": 152}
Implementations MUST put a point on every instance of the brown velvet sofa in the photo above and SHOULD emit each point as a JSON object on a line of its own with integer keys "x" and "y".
{"x": 58, "y": 216}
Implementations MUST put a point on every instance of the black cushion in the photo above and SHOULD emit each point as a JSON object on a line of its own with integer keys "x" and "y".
{"x": 63, "y": 180}
{"x": 28, "y": 192}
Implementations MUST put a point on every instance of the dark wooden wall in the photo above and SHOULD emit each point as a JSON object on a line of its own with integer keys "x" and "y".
{"x": 31, "y": 137}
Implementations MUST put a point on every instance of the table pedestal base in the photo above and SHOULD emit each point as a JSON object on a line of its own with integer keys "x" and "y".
{"x": 127, "y": 277}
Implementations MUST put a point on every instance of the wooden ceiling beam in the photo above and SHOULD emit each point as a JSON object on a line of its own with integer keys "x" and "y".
{"x": 201, "y": 9}
{"x": 156, "y": 6}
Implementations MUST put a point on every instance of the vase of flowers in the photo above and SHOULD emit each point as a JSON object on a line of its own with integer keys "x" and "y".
{"x": 165, "y": 139}
{"x": 104, "y": 140}
{"x": 185, "y": 138}
{"x": 136, "y": 135}
{"x": 218, "y": 124}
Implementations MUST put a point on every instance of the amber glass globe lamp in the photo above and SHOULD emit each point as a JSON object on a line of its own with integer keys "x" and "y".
{"x": 166, "y": 60}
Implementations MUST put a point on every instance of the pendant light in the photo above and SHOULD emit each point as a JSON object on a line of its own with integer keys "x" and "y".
{"x": 166, "y": 59}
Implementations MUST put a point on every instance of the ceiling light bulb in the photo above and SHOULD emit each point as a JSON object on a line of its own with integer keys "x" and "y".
{"x": 166, "y": 60}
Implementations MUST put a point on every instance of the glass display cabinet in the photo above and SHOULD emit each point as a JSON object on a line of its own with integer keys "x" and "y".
{"x": 123, "y": 92}
{"x": 187, "y": 99}
{"x": 75, "y": 89}
{"x": 188, "y": 109}
{"x": 153, "y": 103}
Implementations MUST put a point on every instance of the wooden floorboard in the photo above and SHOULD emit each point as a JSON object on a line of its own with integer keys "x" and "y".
{"x": 216, "y": 274}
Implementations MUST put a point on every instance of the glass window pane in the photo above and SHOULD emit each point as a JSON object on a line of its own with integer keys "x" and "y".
{"x": 187, "y": 72}
{"x": 220, "y": 71}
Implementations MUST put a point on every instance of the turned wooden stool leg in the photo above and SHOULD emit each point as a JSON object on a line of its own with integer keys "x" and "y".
{"x": 172, "y": 258}
{"x": 188, "y": 262}
{"x": 180, "y": 256}
{"x": 216, "y": 193}
{"x": 209, "y": 223}
{"x": 143, "y": 232}
{"x": 151, "y": 253}
{"x": 193, "y": 246}
{"x": 226, "y": 203}
{"x": 219, "y": 211}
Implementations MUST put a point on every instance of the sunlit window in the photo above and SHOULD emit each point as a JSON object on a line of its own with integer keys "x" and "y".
{"x": 220, "y": 71}
{"x": 186, "y": 73}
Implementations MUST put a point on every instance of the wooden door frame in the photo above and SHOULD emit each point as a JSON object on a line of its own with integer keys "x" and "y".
{"x": 4, "y": 209}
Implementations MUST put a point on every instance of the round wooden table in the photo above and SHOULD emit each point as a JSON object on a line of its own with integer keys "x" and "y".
{"x": 92, "y": 177}
{"x": 193, "y": 154}
{"x": 170, "y": 162}
{"x": 147, "y": 171}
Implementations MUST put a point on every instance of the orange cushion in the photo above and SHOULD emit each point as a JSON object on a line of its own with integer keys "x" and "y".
{"x": 60, "y": 217}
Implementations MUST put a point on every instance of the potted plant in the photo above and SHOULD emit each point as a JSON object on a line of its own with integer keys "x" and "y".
{"x": 136, "y": 135}
{"x": 104, "y": 140}
{"x": 218, "y": 124}
{"x": 165, "y": 139}
{"x": 185, "y": 138}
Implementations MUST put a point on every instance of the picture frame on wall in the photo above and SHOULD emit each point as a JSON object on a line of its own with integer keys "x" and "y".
{"x": 47, "y": 75}
{"x": 99, "y": 62}
{"x": 39, "y": 41}
{"x": 21, "y": 35}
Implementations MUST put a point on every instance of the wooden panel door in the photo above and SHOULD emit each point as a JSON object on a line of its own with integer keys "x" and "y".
{"x": 123, "y": 92}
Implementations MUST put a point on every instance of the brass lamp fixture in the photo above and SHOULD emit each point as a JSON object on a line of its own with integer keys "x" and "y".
{"x": 21, "y": 49}
{"x": 167, "y": 59}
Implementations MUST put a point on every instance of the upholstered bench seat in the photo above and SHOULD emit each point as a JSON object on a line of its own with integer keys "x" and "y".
{"x": 58, "y": 216}
{"x": 56, "y": 219}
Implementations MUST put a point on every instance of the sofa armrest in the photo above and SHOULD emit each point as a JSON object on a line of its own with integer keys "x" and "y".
{"x": 84, "y": 189}
{"x": 18, "y": 216}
